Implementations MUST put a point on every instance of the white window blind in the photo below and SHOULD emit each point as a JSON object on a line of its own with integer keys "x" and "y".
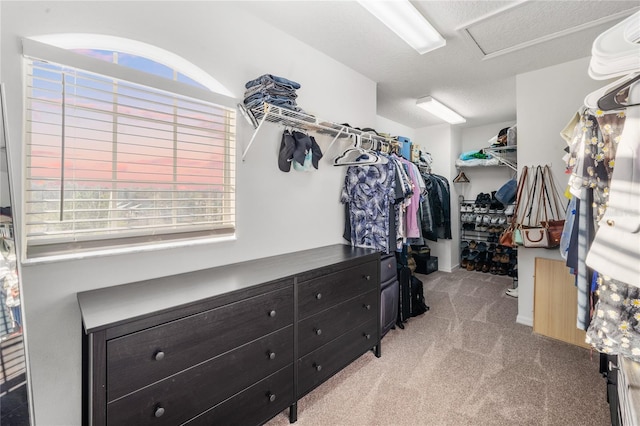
{"x": 112, "y": 163}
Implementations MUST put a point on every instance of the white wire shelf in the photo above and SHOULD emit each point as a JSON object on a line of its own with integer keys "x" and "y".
{"x": 286, "y": 117}
{"x": 507, "y": 155}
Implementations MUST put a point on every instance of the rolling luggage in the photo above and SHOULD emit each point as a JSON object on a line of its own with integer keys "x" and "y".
{"x": 389, "y": 293}
{"x": 388, "y": 305}
{"x": 404, "y": 307}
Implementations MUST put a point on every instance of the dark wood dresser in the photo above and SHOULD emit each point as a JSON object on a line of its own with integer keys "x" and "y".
{"x": 235, "y": 344}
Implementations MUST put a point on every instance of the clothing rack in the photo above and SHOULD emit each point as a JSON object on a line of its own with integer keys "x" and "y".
{"x": 274, "y": 114}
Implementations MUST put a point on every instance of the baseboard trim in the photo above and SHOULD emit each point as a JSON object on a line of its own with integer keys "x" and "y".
{"x": 524, "y": 320}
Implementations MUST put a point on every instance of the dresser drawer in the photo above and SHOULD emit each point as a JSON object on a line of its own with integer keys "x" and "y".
{"x": 142, "y": 358}
{"x": 192, "y": 391}
{"x": 319, "y": 329}
{"x": 321, "y": 364}
{"x": 321, "y": 293}
{"x": 253, "y": 406}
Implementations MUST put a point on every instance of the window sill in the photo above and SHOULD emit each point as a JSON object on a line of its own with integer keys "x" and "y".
{"x": 90, "y": 254}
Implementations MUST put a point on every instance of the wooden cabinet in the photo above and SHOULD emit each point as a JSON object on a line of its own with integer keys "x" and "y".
{"x": 234, "y": 345}
{"x": 555, "y": 305}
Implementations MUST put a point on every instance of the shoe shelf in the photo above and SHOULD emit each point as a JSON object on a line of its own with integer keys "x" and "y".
{"x": 302, "y": 121}
{"x": 481, "y": 223}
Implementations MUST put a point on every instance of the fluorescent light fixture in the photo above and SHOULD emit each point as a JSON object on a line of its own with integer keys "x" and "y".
{"x": 409, "y": 24}
{"x": 440, "y": 110}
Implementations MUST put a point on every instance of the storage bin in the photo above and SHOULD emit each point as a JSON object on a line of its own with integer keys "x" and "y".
{"x": 432, "y": 264}
{"x": 422, "y": 257}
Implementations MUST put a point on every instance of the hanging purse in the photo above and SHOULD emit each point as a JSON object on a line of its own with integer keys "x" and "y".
{"x": 545, "y": 233}
{"x": 517, "y": 236}
{"x": 535, "y": 235}
{"x": 555, "y": 225}
{"x": 506, "y": 238}
{"x": 511, "y": 236}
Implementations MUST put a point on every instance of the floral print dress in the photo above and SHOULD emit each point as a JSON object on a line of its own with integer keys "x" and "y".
{"x": 615, "y": 327}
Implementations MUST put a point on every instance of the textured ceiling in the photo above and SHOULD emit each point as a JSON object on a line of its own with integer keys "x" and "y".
{"x": 546, "y": 19}
{"x": 481, "y": 89}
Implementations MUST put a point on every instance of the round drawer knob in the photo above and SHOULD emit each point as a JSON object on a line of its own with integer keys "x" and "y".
{"x": 367, "y": 336}
{"x": 319, "y": 296}
{"x": 272, "y": 397}
{"x": 272, "y": 314}
{"x": 159, "y": 356}
{"x": 272, "y": 355}
{"x": 367, "y": 307}
{"x": 367, "y": 277}
{"x": 611, "y": 222}
{"x": 317, "y": 331}
{"x": 159, "y": 411}
{"x": 317, "y": 367}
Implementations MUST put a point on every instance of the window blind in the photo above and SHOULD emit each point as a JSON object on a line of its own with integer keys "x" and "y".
{"x": 111, "y": 163}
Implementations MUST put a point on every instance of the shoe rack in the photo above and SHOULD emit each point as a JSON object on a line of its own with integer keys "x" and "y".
{"x": 481, "y": 222}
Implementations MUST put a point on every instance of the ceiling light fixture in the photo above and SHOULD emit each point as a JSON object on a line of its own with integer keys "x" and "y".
{"x": 409, "y": 24}
{"x": 440, "y": 110}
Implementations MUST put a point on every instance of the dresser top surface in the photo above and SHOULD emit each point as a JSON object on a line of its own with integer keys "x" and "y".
{"x": 105, "y": 307}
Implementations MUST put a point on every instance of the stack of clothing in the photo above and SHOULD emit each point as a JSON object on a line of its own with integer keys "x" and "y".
{"x": 271, "y": 89}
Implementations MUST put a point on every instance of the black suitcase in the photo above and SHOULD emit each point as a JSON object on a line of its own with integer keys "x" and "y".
{"x": 404, "y": 308}
{"x": 388, "y": 267}
{"x": 389, "y": 293}
{"x": 388, "y": 305}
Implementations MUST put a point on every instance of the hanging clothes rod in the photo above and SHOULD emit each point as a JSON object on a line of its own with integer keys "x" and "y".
{"x": 299, "y": 120}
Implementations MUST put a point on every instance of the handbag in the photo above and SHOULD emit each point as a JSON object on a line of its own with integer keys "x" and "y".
{"x": 507, "y": 192}
{"x": 555, "y": 226}
{"x": 536, "y": 237}
{"x": 543, "y": 233}
{"x": 506, "y": 238}
{"x": 517, "y": 237}
{"x": 511, "y": 234}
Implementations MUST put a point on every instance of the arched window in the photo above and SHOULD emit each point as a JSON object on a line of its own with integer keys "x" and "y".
{"x": 123, "y": 149}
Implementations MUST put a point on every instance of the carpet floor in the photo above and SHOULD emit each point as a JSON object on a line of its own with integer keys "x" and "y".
{"x": 464, "y": 362}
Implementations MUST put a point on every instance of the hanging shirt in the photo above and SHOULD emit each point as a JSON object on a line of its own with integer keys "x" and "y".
{"x": 368, "y": 191}
{"x": 412, "y": 229}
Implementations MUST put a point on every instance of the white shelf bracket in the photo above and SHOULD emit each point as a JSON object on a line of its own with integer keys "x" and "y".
{"x": 255, "y": 133}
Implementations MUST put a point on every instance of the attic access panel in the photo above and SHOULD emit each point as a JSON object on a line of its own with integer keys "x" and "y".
{"x": 510, "y": 29}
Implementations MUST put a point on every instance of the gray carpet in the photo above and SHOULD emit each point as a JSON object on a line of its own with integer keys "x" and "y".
{"x": 465, "y": 362}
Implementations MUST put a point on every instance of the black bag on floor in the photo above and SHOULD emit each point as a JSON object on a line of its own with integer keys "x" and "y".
{"x": 418, "y": 302}
{"x": 404, "y": 309}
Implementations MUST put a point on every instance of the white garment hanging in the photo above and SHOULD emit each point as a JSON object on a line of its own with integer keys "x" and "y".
{"x": 615, "y": 251}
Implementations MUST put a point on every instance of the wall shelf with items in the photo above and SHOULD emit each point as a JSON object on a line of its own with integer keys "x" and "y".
{"x": 286, "y": 117}
{"x": 499, "y": 156}
{"x": 506, "y": 155}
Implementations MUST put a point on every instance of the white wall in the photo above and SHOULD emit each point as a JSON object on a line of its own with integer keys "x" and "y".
{"x": 277, "y": 212}
{"x": 384, "y": 125}
{"x": 546, "y": 101}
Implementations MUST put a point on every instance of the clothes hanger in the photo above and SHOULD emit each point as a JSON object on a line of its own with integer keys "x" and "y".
{"x": 357, "y": 155}
{"x": 461, "y": 178}
{"x": 617, "y": 97}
